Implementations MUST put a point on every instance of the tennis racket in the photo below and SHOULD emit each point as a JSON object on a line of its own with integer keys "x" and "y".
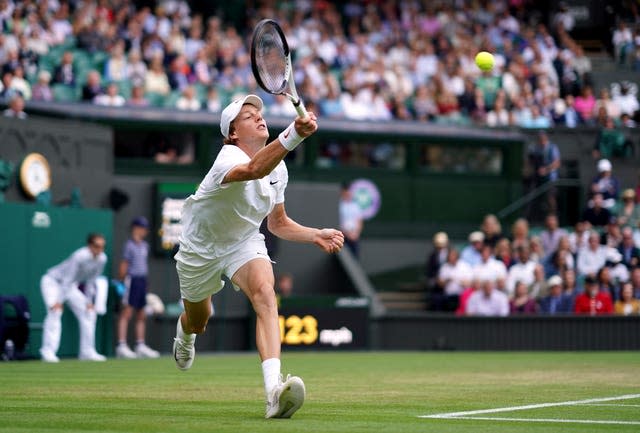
{"x": 271, "y": 63}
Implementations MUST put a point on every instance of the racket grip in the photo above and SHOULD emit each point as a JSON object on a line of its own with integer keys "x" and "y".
{"x": 300, "y": 108}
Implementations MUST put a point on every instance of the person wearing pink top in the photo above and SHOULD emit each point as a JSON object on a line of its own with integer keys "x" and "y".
{"x": 585, "y": 105}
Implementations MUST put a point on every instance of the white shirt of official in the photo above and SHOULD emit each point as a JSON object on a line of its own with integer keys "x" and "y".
{"x": 80, "y": 267}
{"x": 220, "y": 217}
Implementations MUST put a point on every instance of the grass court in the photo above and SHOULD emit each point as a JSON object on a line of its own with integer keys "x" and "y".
{"x": 395, "y": 392}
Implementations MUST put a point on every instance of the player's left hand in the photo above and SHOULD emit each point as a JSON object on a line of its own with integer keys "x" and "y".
{"x": 330, "y": 240}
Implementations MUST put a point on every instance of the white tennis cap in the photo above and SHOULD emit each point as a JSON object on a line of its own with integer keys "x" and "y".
{"x": 231, "y": 111}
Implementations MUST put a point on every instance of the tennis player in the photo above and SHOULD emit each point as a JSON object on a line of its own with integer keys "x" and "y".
{"x": 220, "y": 236}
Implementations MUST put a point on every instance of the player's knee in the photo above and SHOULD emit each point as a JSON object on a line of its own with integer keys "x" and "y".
{"x": 264, "y": 298}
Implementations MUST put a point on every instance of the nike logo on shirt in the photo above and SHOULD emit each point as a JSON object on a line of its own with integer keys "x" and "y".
{"x": 273, "y": 182}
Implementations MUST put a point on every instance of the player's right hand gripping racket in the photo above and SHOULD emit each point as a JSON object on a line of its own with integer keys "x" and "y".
{"x": 271, "y": 63}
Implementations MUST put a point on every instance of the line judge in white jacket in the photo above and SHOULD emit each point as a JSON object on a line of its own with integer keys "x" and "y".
{"x": 73, "y": 282}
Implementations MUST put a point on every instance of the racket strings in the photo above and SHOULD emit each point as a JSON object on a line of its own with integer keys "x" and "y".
{"x": 271, "y": 60}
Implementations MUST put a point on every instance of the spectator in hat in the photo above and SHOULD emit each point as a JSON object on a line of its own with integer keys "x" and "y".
{"x": 592, "y": 301}
{"x": 133, "y": 273}
{"x": 606, "y": 184}
{"x": 471, "y": 253}
{"x": 436, "y": 259}
{"x": 556, "y": 301}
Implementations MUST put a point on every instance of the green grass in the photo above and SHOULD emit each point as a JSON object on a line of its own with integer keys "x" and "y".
{"x": 346, "y": 392}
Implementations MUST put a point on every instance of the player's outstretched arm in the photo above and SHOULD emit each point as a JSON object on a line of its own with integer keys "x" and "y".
{"x": 267, "y": 158}
{"x": 279, "y": 223}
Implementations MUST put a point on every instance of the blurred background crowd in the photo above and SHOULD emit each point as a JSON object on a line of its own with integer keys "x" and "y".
{"x": 360, "y": 60}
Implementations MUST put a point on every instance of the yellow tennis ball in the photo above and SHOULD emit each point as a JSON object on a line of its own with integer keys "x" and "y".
{"x": 484, "y": 60}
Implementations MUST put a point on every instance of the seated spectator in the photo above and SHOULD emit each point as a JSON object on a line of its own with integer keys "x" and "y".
{"x": 454, "y": 277}
{"x": 136, "y": 68}
{"x": 551, "y": 235}
{"x": 41, "y": 90}
{"x": 471, "y": 253}
{"x": 606, "y": 184}
{"x": 214, "y": 103}
{"x": 628, "y": 212}
{"x": 596, "y": 214}
{"x": 520, "y": 233}
{"x": 93, "y": 86}
{"x": 627, "y": 305}
{"x": 523, "y": 270}
{"x": 110, "y": 98}
{"x": 537, "y": 120}
{"x": 491, "y": 229}
{"x": 627, "y": 101}
{"x": 562, "y": 258}
{"x": 570, "y": 285}
{"x": 622, "y": 40}
{"x": 137, "y": 98}
{"x": 610, "y": 106}
{"x": 611, "y": 141}
{"x": 16, "y": 107}
{"x": 487, "y": 301}
{"x": 20, "y": 84}
{"x": 503, "y": 252}
{"x": 188, "y": 100}
{"x": 608, "y": 284}
{"x": 635, "y": 282}
{"x": 522, "y": 302}
{"x": 435, "y": 260}
{"x": 155, "y": 80}
{"x": 6, "y": 92}
{"x": 116, "y": 67}
{"x": 629, "y": 252}
{"x": 498, "y": 116}
{"x": 585, "y": 105}
{"x": 616, "y": 270}
{"x": 65, "y": 72}
{"x": 579, "y": 238}
{"x": 490, "y": 269}
{"x": 557, "y": 301}
{"x": 592, "y": 301}
{"x": 612, "y": 235}
{"x": 593, "y": 258}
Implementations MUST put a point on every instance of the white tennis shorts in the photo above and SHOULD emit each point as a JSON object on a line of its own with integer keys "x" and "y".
{"x": 201, "y": 280}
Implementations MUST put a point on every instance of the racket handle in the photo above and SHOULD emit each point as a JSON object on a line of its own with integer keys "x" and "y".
{"x": 302, "y": 111}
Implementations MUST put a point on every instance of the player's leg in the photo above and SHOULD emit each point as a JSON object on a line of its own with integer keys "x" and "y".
{"x": 191, "y": 322}
{"x": 256, "y": 280}
{"x": 197, "y": 284}
{"x": 86, "y": 315}
{"x": 52, "y": 324}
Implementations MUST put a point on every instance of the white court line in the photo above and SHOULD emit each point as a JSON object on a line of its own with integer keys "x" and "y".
{"x": 470, "y": 414}
{"x": 612, "y": 405}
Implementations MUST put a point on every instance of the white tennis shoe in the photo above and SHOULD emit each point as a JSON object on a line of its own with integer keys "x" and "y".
{"x": 144, "y": 351}
{"x": 183, "y": 353}
{"x": 92, "y": 355}
{"x": 48, "y": 355}
{"x": 123, "y": 351}
{"x": 286, "y": 398}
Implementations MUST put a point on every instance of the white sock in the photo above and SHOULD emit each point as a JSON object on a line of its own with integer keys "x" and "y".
{"x": 271, "y": 373}
{"x": 182, "y": 335}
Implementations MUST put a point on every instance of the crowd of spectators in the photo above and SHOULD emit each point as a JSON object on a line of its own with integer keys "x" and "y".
{"x": 357, "y": 60}
{"x": 592, "y": 268}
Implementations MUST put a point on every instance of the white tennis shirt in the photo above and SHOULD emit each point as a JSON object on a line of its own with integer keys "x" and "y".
{"x": 218, "y": 218}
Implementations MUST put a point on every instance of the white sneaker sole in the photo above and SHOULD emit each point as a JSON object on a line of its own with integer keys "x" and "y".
{"x": 291, "y": 399}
